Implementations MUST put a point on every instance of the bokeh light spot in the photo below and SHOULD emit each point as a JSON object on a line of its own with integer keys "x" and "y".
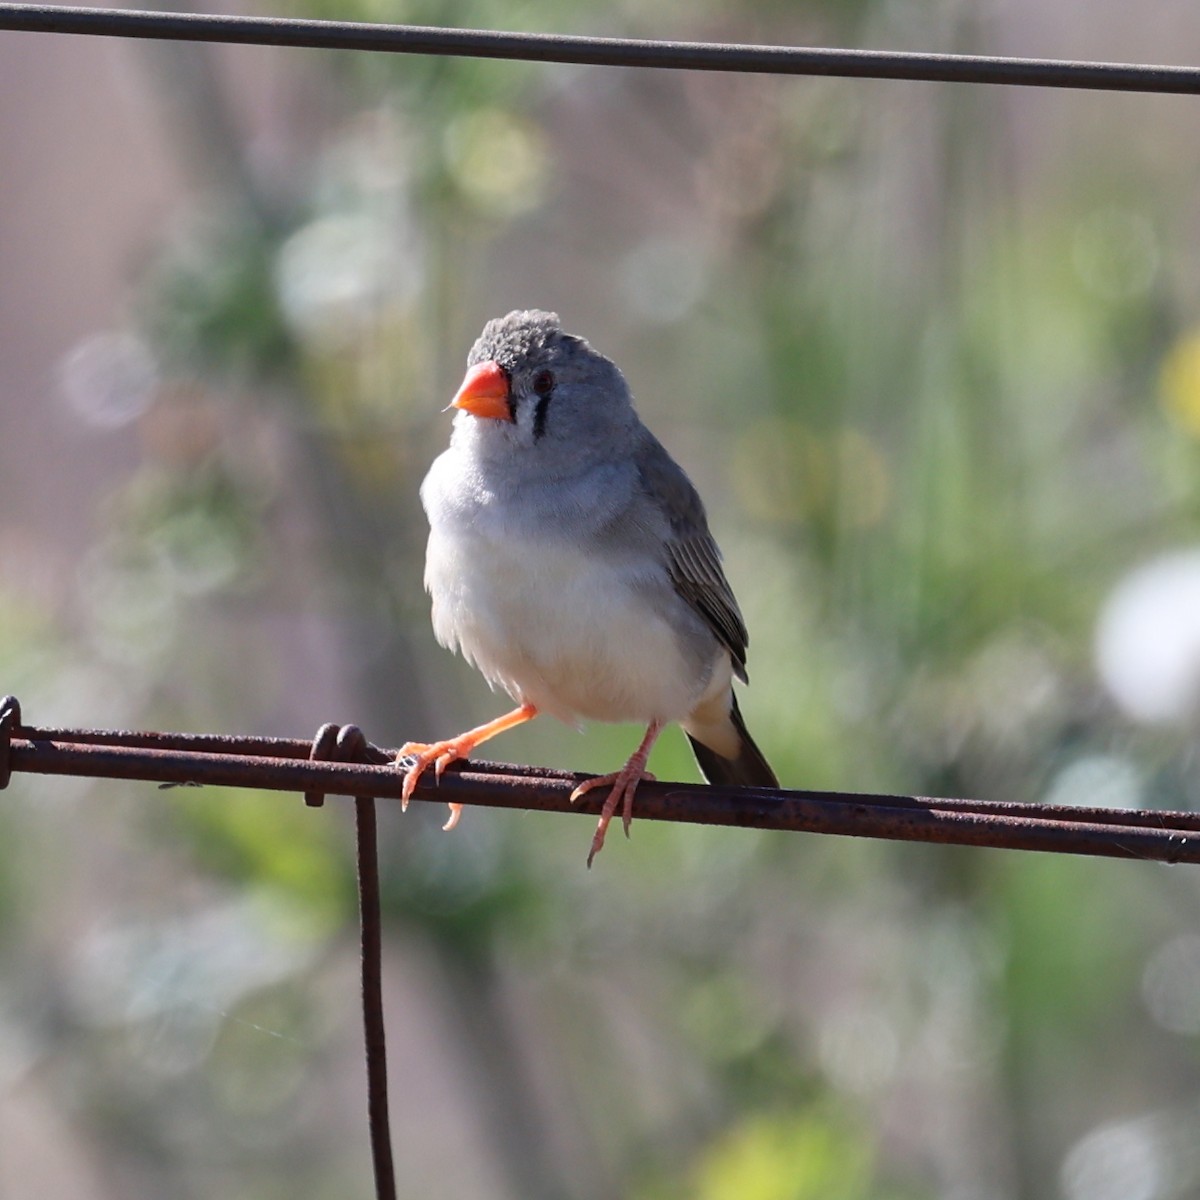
{"x": 1097, "y": 781}
{"x": 1171, "y": 985}
{"x": 336, "y": 272}
{"x": 1180, "y": 383}
{"x": 662, "y": 278}
{"x": 108, "y": 379}
{"x": 498, "y": 161}
{"x": 858, "y": 1049}
{"x": 1148, "y": 639}
{"x": 864, "y": 486}
{"x": 1119, "y": 1161}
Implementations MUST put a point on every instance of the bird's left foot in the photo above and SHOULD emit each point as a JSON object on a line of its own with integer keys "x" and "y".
{"x": 623, "y": 784}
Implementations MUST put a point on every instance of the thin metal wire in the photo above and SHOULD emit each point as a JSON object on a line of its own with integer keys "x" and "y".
{"x": 601, "y": 51}
{"x": 283, "y": 765}
{"x": 374, "y": 1040}
{"x": 347, "y": 744}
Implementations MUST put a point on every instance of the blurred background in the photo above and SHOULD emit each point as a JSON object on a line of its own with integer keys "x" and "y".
{"x": 932, "y": 355}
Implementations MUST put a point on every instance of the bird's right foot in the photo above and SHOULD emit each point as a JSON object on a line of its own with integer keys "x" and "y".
{"x": 418, "y": 757}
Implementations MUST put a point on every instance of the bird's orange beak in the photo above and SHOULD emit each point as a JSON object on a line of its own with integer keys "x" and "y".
{"x": 485, "y": 393}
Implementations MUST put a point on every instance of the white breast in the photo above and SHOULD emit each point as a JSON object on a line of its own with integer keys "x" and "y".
{"x": 553, "y": 627}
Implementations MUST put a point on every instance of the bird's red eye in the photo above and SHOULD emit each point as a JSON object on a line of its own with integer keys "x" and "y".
{"x": 543, "y": 383}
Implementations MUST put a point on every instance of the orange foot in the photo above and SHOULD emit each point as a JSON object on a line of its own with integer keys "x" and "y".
{"x": 440, "y": 755}
{"x": 624, "y": 784}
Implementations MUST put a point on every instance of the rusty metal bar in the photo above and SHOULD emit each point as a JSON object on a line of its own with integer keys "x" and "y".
{"x": 284, "y": 765}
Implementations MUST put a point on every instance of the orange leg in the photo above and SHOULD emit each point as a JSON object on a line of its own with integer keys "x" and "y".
{"x": 440, "y": 754}
{"x": 624, "y": 784}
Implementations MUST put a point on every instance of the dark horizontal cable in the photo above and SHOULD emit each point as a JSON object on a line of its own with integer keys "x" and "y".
{"x": 612, "y": 52}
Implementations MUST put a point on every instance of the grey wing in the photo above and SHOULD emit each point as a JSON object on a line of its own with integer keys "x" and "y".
{"x": 692, "y": 558}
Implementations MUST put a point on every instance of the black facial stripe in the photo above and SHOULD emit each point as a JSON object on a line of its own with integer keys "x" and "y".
{"x": 539, "y": 416}
{"x": 512, "y": 404}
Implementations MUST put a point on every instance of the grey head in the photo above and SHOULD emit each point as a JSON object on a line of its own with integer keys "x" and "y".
{"x": 550, "y": 400}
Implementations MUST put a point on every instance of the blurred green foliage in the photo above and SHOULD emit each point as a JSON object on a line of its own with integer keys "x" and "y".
{"x": 786, "y": 1156}
{"x": 210, "y": 304}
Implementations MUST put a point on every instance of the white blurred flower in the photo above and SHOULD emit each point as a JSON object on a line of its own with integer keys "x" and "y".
{"x": 1148, "y": 639}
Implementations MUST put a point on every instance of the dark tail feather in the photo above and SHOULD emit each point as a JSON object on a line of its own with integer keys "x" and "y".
{"x": 749, "y": 769}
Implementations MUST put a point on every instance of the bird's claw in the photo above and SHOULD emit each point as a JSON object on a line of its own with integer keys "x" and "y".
{"x": 624, "y": 785}
{"x": 601, "y": 780}
{"x": 417, "y": 757}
